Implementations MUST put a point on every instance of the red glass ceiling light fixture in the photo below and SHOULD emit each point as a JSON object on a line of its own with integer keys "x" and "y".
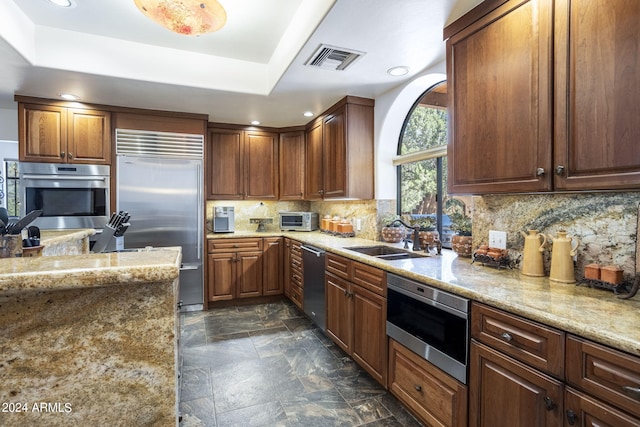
{"x": 188, "y": 17}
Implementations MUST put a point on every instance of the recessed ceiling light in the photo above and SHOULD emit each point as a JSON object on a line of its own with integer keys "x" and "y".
{"x": 69, "y": 96}
{"x": 62, "y": 3}
{"x": 308, "y": 114}
{"x": 398, "y": 71}
{"x": 255, "y": 122}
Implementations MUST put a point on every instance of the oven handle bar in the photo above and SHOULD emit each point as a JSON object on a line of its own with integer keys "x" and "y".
{"x": 65, "y": 178}
{"x": 429, "y": 301}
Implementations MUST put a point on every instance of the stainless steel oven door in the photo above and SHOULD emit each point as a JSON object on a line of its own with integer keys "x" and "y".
{"x": 70, "y": 196}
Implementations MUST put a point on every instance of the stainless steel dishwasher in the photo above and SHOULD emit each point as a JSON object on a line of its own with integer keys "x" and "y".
{"x": 313, "y": 272}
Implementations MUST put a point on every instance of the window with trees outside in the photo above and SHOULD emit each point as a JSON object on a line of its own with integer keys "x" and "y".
{"x": 422, "y": 163}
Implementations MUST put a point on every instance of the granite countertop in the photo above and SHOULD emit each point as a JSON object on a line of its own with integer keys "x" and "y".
{"x": 595, "y": 314}
{"x": 19, "y": 275}
{"x": 53, "y": 237}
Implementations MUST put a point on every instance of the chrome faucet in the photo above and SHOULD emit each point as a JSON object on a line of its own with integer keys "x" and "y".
{"x": 416, "y": 233}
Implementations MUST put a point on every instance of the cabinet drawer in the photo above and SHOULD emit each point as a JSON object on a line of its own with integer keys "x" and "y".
{"x": 370, "y": 278}
{"x": 605, "y": 373}
{"x": 234, "y": 245}
{"x": 296, "y": 263}
{"x": 296, "y": 248}
{"x": 532, "y": 343}
{"x": 338, "y": 265}
{"x": 431, "y": 394}
{"x": 297, "y": 295}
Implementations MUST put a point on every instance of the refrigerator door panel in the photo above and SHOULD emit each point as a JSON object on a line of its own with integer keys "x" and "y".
{"x": 164, "y": 198}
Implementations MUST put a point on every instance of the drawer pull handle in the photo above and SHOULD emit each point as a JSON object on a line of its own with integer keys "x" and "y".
{"x": 549, "y": 403}
{"x": 633, "y": 392}
{"x": 418, "y": 387}
{"x": 571, "y": 417}
{"x": 506, "y": 336}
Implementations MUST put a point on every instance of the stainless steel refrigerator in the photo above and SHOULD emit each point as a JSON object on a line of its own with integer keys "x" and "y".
{"x": 164, "y": 196}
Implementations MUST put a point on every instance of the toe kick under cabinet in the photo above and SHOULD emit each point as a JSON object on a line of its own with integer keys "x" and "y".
{"x": 523, "y": 373}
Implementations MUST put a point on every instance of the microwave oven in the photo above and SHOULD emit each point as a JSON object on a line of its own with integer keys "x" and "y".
{"x": 298, "y": 221}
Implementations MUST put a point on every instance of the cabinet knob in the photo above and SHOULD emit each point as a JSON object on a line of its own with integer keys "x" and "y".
{"x": 70, "y": 155}
{"x": 417, "y": 387}
{"x": 549, "y": 403}
{"x": 62, "y": 154}
{"x": 540, "y": 171}
{"x": 560, "y": 170}
{"x": 506, "y": 336}
{"x": 632, "y": 392}
{"x": 571, "y": 417}
{"x": 321, "y": 192}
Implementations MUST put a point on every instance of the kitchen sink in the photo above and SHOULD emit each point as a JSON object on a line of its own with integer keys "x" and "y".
{"x": 388, "y": 253}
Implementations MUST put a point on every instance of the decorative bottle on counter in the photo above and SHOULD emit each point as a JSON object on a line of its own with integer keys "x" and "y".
{"x": 562, "y": 269}
{"x": 532, "y": 264}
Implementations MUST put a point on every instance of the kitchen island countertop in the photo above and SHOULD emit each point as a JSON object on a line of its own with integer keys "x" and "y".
{"x": 595, "y": 314}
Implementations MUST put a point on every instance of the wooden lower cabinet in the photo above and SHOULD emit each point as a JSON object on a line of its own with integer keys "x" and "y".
{"x": 293, "y": 282}
{"x": 356, "y": 316}
{"x": 235, "y": 269}
{"x": 435, "y": 397}
{"x": 505, "y": 393}
{"x": 273, "y": 283}
{"x": 585, "y": 411}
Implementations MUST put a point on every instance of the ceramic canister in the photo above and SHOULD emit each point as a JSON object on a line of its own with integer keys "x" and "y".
{"x": 562, "y": 269}
{"x": 532, "y": 263}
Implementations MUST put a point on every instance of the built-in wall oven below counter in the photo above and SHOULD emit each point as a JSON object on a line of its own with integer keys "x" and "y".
{"x": 70, "y": 196}
{"x": 430, "y": 322}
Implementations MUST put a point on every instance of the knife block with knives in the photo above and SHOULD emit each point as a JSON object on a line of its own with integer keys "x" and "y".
{"x": 11, "y": 233}
{"x": 112, "y": 235}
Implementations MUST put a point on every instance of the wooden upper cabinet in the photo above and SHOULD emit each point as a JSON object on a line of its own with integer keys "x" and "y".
{"x": 339, "y": 155}
{"x": 292, "y": 170}
{"x": 225, "y": 165}
{"x": 597, "y": 71}
{"x": 89, "y": 136}
{"x": 242, "y": 164}
{"x": 314, "y": 185}
{"x": 57, "y": 134}
{"x": 260, "y": 165}
{"x": 500, "y": 115}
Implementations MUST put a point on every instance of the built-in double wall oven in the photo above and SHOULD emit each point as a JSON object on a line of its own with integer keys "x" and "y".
{"x": 432, "y": 323}
{"x": 70, "y": 196}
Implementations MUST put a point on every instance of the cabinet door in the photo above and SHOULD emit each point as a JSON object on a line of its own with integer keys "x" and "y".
{"x": 335, "y": 154}
{"x": 292, "y": 166}
{"x": 249, "y": 274}
{"x": 314, "y": 185}
{"x": 339, "y": 311}
{"x": 437, "y": 398}
{"x": 221, "y": 272}
{"x": 500, "y": 102}
{"x": 585, "y": 411}
{"x": 370, "y": 332}
{"x": 597, "y": 72}
{"x": 261, "y": 165}
{"x": 273, "y": 282}
{"x": 506, "y": 393}
{"x": 42, "y": 133}
{"x": 89, "y": 136}
{"x": 225, "y": 165}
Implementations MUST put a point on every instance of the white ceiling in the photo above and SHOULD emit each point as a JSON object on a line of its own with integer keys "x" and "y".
{"x": 107, "y": 52}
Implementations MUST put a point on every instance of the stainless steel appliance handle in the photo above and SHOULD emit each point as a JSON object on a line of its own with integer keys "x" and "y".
{"x": 65, "y": 178}
{"x": 200, "y": 208}
{"x": 315, "y": 251}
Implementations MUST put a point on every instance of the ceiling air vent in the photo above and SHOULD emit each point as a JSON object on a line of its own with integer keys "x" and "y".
{"x": 333, "y": 58}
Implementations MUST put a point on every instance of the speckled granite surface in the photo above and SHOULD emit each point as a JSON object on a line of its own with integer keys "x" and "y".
{"x": 65, "y": 242}
{"x": 591, "y": 313}
{"x": 90, "y": 337}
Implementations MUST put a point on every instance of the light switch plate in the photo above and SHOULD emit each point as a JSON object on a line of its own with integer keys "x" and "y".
{"x": 498, "y": 239}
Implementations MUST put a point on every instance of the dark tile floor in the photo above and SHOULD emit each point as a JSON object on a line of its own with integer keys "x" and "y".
{"x": 268, "y": 365}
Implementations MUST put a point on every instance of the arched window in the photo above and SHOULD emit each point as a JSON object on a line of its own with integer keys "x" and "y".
{"x": 422, "y": 161}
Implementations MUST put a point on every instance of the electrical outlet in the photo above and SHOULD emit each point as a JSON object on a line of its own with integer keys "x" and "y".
{"x": 498, "y": 239}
